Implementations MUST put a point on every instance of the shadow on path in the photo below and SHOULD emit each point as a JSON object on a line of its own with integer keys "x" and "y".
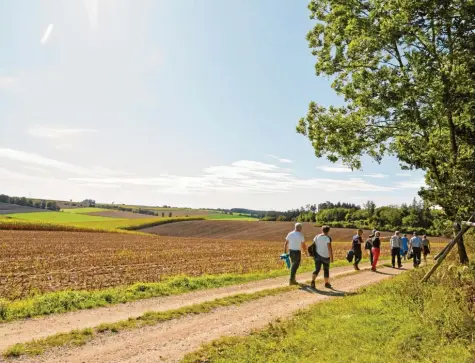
{"x": 326, "y": 292}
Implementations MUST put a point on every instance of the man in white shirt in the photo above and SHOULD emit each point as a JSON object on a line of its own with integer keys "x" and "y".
{"x": 323, "y": 256}
{"x": 295, "y": 243}
{"x": 396, "y": 244}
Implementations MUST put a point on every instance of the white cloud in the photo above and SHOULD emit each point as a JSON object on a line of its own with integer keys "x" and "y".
{"x": 8, "y": 82}
{"x": 376, "y": 175}
{"x": 403, "y": 174}
{"x": 282, "y": 160}
{"x": 57, "y": 133}
{"x": 411, "y": 184}
{"x": 241, "y": 176}
{"x": 41, "y": 161}
{"x": 92, "y": 9}
{"x": 334, "y": 168}
{"x": 47, "y": 34}
{"x": 35, "y": 159}
{"x": 254, "y": 165}
{"x": 286, "y": 161}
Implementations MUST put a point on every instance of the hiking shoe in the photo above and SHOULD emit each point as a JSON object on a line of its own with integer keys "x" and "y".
{"x": 356, "y": 268}
{"x": 328, "y": 285}
{"x": 394, "y": 266}
{"x": 400, "y": 266}
{"x": 373, "y": 269}
{"x": 291, "y": 283}
{"x": 312, "y": 285}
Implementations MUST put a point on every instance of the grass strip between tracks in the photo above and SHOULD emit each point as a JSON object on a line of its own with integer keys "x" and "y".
{"x": 69, "y": 300}
{"x": 81, "y": 337}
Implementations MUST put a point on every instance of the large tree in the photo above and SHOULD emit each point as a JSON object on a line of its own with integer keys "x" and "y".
{"x": 406, "y": 70}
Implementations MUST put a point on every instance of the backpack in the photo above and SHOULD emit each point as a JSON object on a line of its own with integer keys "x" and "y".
{"x": 368, "y": 244}
{"x": 349, "y": 255}
{"x": 312, "y": 250}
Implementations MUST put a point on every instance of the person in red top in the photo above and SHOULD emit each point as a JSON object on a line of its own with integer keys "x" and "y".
{"x": 376, "y": 250}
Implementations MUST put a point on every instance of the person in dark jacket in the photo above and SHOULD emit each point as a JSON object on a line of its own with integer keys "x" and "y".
{"x": 356, "y": 247}
{"x": 425, "y": 247}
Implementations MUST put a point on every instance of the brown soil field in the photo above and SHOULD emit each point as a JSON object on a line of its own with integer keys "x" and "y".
{"x": 6, "y": 208}
{"x": 119, "y": 214}
{"x": 43, "y": 261}
{"x": 258, "y": 231}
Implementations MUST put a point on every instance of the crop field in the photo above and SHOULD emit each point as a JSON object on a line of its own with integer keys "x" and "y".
{"x": 116, "y": 214}
{"x": 230, "y": 217}
{"x": 106, "y": 225}
{"x": 262, "y": 231}
{"x": 58, "y": 217}
{"x": 43, "y": 261}
{"x": 83, "y": 210}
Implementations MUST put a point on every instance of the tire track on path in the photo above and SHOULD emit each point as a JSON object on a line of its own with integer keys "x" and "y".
{"x": 171, "y": 340}
{"x": 28, "y": 329}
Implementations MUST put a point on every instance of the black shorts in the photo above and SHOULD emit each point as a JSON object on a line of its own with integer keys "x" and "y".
{"x": 322, "y": 261}
{"x": 426, "y": 250}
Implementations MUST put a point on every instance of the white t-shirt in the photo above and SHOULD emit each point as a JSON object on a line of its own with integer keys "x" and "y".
{"x": 321, "y": 242}
{"x": 295, "y": 239}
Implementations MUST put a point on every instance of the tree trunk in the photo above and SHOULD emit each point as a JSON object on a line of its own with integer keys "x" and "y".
{"x": 463, "y": 257}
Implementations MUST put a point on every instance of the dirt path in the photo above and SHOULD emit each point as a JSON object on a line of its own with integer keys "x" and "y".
{"x": 170, "y": 341}
{"x": 25, "y": 330}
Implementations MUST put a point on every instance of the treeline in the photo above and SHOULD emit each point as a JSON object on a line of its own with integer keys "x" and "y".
{"x": 26, "y": 202}
{"x": 416, "y": 216}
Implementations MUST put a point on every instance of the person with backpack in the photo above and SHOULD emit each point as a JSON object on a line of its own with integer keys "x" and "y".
{"x": 396, "y": 245}
{"x": 356, "y": 247}
{"x": 369, "y": 246}
{"x": 405, "y": 246}
{"x": 425, "y": 247}
{"x": 295, "y": 243}
{"x": 323, "y": 255}
{"x": 415, "y": 244}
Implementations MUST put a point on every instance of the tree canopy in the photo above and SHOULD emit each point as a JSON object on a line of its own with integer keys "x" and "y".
{"x": 406, "y": 70}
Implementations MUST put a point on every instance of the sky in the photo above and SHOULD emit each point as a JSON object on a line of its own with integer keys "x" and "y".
{"x": 189, "y": 103}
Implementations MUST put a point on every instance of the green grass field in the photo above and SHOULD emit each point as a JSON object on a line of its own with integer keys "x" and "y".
{"x": 83, "y": 210}
{"x": 229, "y": 217}
{"x": 58, "y": 217}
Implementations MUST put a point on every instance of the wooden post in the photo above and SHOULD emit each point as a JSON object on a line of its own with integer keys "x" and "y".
{"x": 448, "y": 248}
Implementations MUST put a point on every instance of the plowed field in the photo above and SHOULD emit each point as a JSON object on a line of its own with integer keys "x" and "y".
{"x": 258, "y": 231}
{"x": 41, "y": 261}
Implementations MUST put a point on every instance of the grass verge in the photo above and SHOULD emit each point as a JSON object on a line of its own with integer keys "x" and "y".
{"x": 81, "y": 337}
{"x": 398, "y": 320}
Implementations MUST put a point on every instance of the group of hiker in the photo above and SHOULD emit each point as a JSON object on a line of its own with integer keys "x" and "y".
{"x": 321, "y": 250}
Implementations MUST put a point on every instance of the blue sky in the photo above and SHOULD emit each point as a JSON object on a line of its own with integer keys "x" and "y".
{"x": 189, "y": 103}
